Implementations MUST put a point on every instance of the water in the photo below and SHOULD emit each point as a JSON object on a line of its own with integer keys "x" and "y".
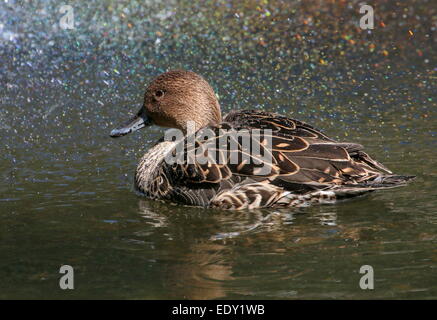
{"x": 66, "y": 194}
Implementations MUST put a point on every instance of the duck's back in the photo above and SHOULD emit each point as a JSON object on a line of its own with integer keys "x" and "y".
{"x": 299, "y": 165}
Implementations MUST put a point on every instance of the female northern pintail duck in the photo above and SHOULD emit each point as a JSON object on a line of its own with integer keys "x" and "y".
{"x": 303, "y": 165}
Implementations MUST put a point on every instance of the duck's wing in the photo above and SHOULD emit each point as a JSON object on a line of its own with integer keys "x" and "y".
{"x": 277, "y": 123}
{"x": 321, "y": 162}
{"x": 291, "y": 155}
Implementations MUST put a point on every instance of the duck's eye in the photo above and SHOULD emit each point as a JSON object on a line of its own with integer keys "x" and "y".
{"x": 159, "y": 93}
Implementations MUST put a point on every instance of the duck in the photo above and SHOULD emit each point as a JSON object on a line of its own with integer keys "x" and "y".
{"x": 300, "y": 165}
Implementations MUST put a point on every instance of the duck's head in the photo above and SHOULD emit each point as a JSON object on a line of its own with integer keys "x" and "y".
{"x": 172, "y": 100}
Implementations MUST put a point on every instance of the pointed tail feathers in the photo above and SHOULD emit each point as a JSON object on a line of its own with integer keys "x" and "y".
{"x": 389, "y": 181}
{"x": 378, "y": 183}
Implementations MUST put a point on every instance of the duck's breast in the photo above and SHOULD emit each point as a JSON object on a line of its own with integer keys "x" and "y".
{"x": 149, "y": 176}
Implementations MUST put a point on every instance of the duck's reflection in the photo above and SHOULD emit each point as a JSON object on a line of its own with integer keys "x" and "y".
{"x": 207, "y": 253}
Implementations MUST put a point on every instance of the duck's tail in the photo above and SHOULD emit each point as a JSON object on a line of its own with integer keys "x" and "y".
{"x": 388, "y": 181}
{"x": 378, "y": 183}
{"x": 339, "y": 192}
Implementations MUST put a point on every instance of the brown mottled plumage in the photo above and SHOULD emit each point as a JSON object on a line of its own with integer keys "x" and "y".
{"x": 305, "y": 165}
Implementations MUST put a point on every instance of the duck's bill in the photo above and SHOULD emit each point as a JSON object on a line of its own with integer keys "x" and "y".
{"x": 134, "y": 124}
